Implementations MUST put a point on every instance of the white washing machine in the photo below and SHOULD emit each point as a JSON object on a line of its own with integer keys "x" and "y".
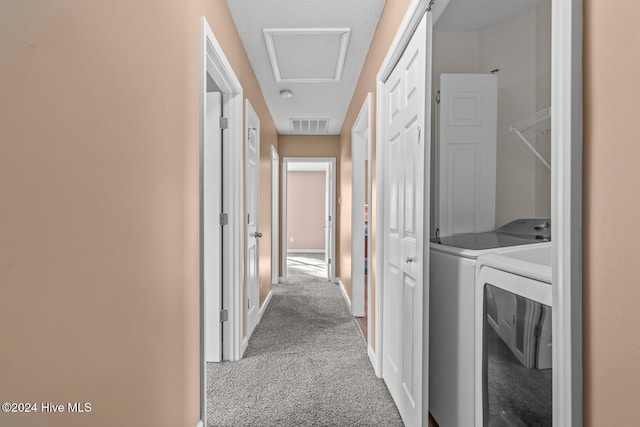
{"x": 513, "y": 349}
{"x": 452, "y": 282}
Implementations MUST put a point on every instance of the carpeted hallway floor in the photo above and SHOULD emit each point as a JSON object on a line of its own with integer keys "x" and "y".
{"x": 306, "y": 365}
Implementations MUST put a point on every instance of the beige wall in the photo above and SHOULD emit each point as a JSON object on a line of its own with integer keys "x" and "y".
{"x": 99, "y": 146}
{"x": 611, "y": 212}
{"x": 390, "y": 19}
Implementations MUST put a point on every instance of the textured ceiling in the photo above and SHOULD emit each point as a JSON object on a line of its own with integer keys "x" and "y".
{"x": 307, "y": 56}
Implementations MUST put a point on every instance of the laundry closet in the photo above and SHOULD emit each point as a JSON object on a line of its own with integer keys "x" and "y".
{"x": 490, "y": 194}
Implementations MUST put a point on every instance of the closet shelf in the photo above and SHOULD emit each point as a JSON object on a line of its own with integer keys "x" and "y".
{"x": 529, "y": 122}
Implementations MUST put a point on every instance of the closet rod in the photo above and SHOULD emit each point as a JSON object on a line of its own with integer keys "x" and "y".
{"x": 528, "y": 123}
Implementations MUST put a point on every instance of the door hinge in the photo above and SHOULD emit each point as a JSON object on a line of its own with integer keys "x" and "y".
{"x": 430, "y": 5}
{"x": 329, "y": 261}
{"x": 224, "y": 219}
{"x": 419, "y": 133}
{"x": 224, "y": 123}
{"x": 224, "y": 315}
{"x": 438, "y": 97}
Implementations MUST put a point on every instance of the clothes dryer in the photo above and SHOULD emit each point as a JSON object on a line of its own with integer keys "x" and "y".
{"x": 452, "y": 280}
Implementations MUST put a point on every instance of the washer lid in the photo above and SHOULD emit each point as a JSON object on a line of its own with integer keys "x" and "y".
{"x": 488, "y": 240}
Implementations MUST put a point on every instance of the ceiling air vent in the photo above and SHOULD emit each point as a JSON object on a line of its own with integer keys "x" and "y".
{"x": 309, "y": 126}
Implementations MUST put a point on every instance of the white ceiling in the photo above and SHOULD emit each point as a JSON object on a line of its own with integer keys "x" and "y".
{"x": 317, "y": 49}
{"x": 476, "y": 14}
{"x": 308, "y": 39}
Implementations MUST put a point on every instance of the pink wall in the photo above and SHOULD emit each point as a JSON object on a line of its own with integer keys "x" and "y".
{"x": 305, "y": 210}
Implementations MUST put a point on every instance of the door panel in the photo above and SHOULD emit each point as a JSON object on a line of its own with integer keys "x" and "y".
{"x": 253, "y": 233}
{"x": 329, "y": 213}
{"x": 405, "y": 288}
{"x": 212, "y": 230}
{"x": 466, "y": 179}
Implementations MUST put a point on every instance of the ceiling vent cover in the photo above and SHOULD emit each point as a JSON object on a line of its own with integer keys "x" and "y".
{"x": 309, "y": 126}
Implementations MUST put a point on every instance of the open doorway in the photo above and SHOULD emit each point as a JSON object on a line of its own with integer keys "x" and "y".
{"x": 221, "y": 217}
{"x": 308, "y": 233}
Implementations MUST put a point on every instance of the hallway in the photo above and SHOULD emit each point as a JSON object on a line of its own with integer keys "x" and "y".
{"x": 306, "y": 365}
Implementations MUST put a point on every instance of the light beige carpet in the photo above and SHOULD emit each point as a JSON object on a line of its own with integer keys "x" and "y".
{"x": 306, "y": 365}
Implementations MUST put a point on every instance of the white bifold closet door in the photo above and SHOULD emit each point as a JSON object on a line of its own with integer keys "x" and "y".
{"x": 405, "y": 263}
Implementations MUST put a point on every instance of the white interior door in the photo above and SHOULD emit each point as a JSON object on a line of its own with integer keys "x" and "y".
{"x": 405, "y": 289}
{"x": 466, "y": 152}
{"x": 328, "y": 228}
{"x": 358, "y": 146}
{"x": 275, "y": 216}
{"x": 212, "y": 230}
{"x": 252, "y": 180}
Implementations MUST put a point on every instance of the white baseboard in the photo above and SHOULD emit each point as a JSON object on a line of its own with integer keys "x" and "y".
{"x": 344, "y": 293}
{"x": 200, "y": 424}
{"x": 281, "y": 279}
{"x": 373, "y": 358}
{"x": 305, "y": 251}
{"x": 264, "y": 306}
{"x": 245, "y": 344}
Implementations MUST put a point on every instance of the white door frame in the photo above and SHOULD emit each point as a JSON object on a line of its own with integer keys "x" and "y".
{"x": 252, "y": 122}
{"x": 215, "y": 63}
{"x": 331, "y": 162}
{"x": 275, "y": 215}
{"x": 566, "y": 211}
{"x": 360, "y": 152}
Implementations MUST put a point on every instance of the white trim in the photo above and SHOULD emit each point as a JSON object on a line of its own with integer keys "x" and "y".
{"x": 200, "y": 424}
{"x": 273, "y": 58}
{"x": 344, "y": 293}
{"x": 373, "y": 358}
{"x": 360, "y": 143}
{"x": 412, "y": 17}
{"x": 275, "y": 215}
{"x": 266, "y": 302}
{"x": 378, "y": 285}
{"x": 331, "y": 161}
{"x": 281, "y": 279}
{"x": 245, "y": 344}
{"x": 215, "y": 63}
{"x": 566, "y": 210}
{"x": 305, "y": 251}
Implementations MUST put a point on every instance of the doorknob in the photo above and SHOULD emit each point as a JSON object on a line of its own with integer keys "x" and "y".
{"x": 257, "y": 235}
{"x": 409, "y": 260}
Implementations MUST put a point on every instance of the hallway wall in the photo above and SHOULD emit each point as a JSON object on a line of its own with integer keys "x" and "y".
{"x": 390, "y": 20}
{"x": 611, "y": 211}
{"x": 99, "y": 215}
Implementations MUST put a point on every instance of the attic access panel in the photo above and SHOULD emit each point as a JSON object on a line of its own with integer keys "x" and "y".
{"x": 307, "y": 54}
